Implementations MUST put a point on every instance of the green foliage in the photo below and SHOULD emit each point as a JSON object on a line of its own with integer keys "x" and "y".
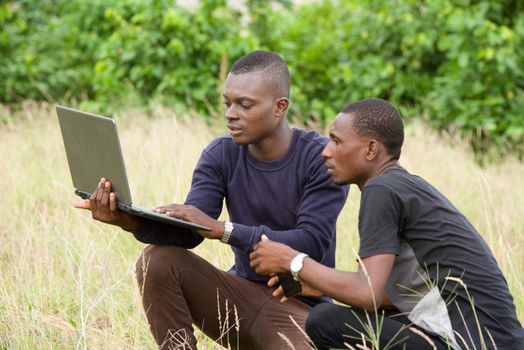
{"x": 165, "y": 49}
{"x": 458, "y": 63}
{"x": 100, "y": 50}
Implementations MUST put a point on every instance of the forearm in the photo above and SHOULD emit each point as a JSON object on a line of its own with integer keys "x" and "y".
{"x": 129, "y": 222}
{"x": 303, "y": 239}
{"x": 318, "y": 245}
{"x": 350, "y": 288}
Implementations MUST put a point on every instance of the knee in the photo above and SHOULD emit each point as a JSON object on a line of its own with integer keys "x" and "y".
{"x": 318, "y": 324}
{"x": 317, "y": 318}
{"x": 159, "y": 262}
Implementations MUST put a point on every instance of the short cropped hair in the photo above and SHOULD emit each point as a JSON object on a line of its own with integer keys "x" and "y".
{"x": 268, "y": 64}
{"x": 378, "y": 119}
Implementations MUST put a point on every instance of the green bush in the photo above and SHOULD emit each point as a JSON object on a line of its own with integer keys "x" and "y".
{"x": 100, "y": 50}
{"x": 460, "y": 63}
{"x": 36, "y": 62}
{"x": 457, "y": 63}
{"x": 166, "y": 50}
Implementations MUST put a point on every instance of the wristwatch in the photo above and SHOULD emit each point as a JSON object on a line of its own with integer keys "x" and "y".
{"x": 296, "y": 265}
{"x": 228, "y": 228}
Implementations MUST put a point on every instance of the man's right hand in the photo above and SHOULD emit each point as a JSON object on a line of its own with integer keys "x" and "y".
{"x": 102, "y": 205}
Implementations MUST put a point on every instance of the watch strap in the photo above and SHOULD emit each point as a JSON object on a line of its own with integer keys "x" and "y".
{"x": 228, "y": 228}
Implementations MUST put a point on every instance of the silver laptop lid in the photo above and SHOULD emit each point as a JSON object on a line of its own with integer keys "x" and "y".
{"x": 93, "y": 151}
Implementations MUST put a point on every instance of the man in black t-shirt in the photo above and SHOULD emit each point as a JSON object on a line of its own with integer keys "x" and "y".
{"x": 427, "y": 279}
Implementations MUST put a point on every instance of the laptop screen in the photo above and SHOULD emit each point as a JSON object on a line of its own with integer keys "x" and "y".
{"x": 93, "y": 151}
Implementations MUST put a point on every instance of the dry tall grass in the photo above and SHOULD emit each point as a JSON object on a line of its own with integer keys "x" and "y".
{"x": 68, "y": 282}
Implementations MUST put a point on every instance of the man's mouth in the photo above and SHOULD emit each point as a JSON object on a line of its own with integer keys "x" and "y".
{"x": 234, "y": 130}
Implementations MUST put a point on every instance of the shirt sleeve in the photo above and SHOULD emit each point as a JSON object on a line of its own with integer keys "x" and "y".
{"x": 379, "y": 222}
{"x": 315, "y": 229}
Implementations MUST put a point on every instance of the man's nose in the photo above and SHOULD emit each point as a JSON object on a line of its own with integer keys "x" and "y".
{"x": 230, "y": 113}
{"x": 326, "y": 152}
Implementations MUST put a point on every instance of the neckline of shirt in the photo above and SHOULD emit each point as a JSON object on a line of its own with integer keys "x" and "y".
{"x": 273, "y": 165}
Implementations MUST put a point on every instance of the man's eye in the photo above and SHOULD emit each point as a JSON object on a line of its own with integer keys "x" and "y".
{"x": 226, "y": 103}
{"x": 245, "y": 106}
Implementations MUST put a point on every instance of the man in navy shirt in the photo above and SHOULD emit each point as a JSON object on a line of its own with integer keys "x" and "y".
{"x": 427, "y": 279}
{"x": 274, "y": 182}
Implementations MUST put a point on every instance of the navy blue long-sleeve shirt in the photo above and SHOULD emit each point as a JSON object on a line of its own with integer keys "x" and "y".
{"x": 292, "y": 200}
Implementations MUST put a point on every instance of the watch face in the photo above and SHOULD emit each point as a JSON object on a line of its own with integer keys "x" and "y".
{"x": 296, "y": 264}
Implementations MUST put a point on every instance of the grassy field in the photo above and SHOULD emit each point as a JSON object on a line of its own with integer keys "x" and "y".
{"x": 68, "y": 282}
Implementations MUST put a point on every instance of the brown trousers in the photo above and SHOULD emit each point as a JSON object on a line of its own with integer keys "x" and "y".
{"x": 180, "y": 289}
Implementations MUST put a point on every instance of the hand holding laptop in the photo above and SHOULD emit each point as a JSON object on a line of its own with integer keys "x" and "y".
{"x": 93, "y": 152}
{"x": 103, "y": 206}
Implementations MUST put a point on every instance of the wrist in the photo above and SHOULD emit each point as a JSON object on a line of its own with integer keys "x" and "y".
{"x": 129, "y": 223}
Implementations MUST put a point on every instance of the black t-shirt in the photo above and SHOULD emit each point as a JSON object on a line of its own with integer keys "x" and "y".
{"x": 442, "y": 265}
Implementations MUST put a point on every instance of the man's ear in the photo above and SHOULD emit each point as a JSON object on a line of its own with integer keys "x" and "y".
{"x": 281, "y": 106}
{"x": 373, "y": 149}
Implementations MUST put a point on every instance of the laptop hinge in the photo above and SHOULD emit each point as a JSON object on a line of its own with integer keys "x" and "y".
{"x": 83, "y": 194}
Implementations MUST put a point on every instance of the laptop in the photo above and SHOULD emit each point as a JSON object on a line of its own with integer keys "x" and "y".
{"x": 93, "y": 151}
